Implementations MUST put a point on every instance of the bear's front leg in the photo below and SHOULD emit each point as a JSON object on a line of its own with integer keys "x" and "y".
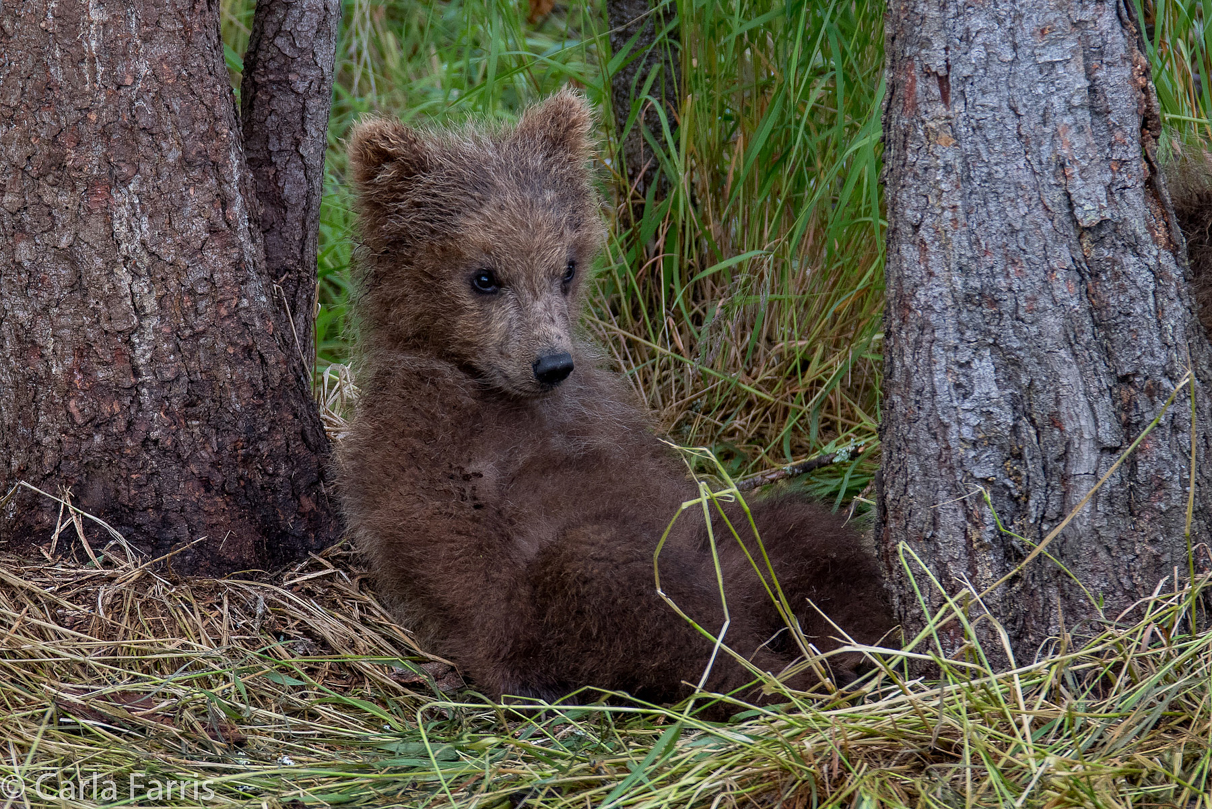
{"x": 456, "y": 576}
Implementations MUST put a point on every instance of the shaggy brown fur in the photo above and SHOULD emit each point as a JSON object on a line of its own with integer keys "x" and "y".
{"x": 1189, "y": 179}
{"x": 510, "y": 522}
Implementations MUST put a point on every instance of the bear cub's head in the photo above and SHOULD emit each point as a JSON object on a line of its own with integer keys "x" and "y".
{"x": 477, "y": 243}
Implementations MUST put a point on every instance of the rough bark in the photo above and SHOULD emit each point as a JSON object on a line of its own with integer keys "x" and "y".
{"x": 285, "y": 96}
{"x": 142, "y": 369}
{"x": 1036, "y": 319}
{"x": 634, "y": 26}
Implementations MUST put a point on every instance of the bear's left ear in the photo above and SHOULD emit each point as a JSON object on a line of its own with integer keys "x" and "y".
{"x": 562, "y": 123}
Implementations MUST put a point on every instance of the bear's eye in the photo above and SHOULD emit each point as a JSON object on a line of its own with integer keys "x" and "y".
{"x": 570, "y": 271}
{"x": 485, "y": 281}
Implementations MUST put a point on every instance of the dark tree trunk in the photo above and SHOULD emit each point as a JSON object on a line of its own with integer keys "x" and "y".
{"x": 634, "y": 29}
{"x": 142, "y": 366}
{"x": 285, "y": 96}
{"x": 1037, "y": 318}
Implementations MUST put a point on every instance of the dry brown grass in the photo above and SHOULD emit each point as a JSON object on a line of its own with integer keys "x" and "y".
{"x": 304, "y": 693}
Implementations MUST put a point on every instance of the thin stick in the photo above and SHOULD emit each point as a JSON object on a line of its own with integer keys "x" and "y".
{"x": 797, "y": 469}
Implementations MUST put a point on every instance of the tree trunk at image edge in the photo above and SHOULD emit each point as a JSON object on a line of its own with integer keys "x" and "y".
{"x": 145, "y": 369}
{"x": 1037, "y": 320}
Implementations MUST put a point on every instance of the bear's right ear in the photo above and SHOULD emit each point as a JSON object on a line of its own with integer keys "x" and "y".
{"x": 383, "y": 153}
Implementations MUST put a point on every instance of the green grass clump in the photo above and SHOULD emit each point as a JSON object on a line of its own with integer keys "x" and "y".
{"x": 1178, "y": 38}
{"x": 746, "y": 305}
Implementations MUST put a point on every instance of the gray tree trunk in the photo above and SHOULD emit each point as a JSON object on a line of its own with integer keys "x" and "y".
{"x": 142, "y": 365}
{"x": 285, "y": 96}
{"x": 1037, "y": 318}
{"x": 634, "y": 29}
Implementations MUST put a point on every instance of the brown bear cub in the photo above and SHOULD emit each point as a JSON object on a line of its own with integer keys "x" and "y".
{"x": 507, "y": 490}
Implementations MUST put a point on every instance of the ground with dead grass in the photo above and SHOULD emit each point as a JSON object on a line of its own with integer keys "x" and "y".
{"x": 746, "y": 310}
{"x": 123, "y": 685}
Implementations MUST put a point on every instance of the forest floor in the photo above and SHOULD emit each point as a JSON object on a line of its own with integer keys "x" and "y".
{"x": 125, "y": 685}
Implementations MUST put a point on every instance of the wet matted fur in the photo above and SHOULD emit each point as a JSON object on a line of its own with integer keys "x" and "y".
{"x": 511, "y": 520}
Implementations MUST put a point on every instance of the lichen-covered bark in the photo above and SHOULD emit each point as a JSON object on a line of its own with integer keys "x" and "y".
{"x": 285, "y": 96}
{"x": 141, "y": 365}
{"x": 1037, "y": 318}
{"x": 634, "y": 29}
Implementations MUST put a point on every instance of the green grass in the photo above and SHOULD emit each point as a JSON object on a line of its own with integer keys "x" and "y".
{"x": 1179, "y": 42}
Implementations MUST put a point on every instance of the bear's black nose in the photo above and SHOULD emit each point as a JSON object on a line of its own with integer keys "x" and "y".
{"x": 553, "y": 369}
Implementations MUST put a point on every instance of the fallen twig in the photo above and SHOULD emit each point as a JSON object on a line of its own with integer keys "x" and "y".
{"x": 797, "y": 469}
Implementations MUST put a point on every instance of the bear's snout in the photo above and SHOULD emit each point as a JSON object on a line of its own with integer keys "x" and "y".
{"x": 553, "y": 369}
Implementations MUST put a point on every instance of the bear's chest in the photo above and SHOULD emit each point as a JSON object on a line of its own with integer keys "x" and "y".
{"x": 535, "y": 473}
